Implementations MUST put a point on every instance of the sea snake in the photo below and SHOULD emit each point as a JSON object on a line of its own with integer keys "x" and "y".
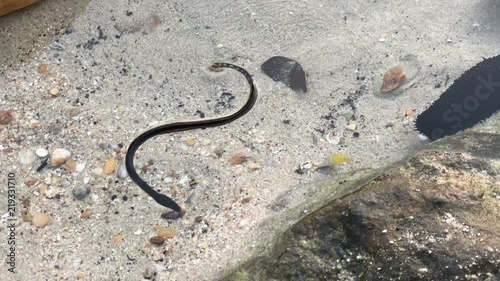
{"x": 185, "y": 126}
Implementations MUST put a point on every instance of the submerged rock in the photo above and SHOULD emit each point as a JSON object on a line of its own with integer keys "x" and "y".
{"x": 435, "y": 218}
{"x": 286, "y": 70}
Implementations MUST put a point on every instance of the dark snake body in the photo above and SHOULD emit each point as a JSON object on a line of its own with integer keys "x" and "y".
{"x": 185, "y": 126}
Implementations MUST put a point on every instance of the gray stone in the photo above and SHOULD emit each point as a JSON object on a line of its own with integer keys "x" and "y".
{"x": 80, "y": 192}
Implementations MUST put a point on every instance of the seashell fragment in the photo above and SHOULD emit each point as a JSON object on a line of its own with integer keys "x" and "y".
{"x": 393, "y": 78}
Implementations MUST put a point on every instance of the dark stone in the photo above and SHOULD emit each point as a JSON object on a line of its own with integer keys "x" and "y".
{"x": 287, "y": 71}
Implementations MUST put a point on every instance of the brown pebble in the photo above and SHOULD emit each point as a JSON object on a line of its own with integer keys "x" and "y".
{"x": 246, "y": 200}
{"x": 190, "y": 142}
{"x": 70, "y": 165}
{"x": 117, "y": 238}
{"x": 172, "y": 215}
{"x": 79, "y": 275}
{"x": 237, "y": 159}
{"x": 157, "y": 240}
{"x": 31, "y": 182}
{"x": 409, "y": 111}
{"x": 43, "y": 69}
{"x": 198, "y": 219}
{"x": 5, "y": 117}
{"x": 85, "y": 214}
{"x": 109, "y": 166}
{"x": 393, "y": 78}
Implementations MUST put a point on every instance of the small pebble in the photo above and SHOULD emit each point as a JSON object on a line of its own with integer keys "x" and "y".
{"x": 59, "y": 157}
{"x": 117, "y": 238}
{"x": 109, "y": 166}
{"x": 70, "y": 165}
{"x": 254, "y": 166}
{"x": 393, "y": 78}
{"x": 33, "y": 124}
{"x": 56, "y": 46}
{"x": 168, "y": 180}
{"x": 80, "y": 192}
{"x": 80, "y": 167}
{"x": 237, "y": 159}
{"x": 41, "y": 152}
{"x": 198, "y": 219}
{"x": 40, "y": 220}
{"x": 339, "y": 158}
{"x": 190, "y": 142}
{"x": 5, "y": 117}
{"x": 351, "y": 127}
{"x": 218, "y": 152}
{"x": 52, "y": 192}
{"x": 306, "y": 165}
{"x": 43, "y": 69}
{"x": 409, "y": 111}
{"x": 122, "y": 172}
{"x": 157, "y": 240}
{"x": 96, "y": 172}
{"x": 85, "y": 214}
{"x": 54, "y": 91}
{"x": 172, "y": 215}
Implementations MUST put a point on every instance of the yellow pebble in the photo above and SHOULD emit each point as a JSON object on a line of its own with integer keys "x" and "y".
{"x": 190, "y": 142}
{"x": 339, "y": 158}
{"x": 109, "y": 166}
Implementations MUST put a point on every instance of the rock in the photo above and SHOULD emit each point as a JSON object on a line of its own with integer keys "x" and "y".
{"x": 109, "y": 166}
{"x": 85, "y": 214}
{"x": 393, "y": 78}
{"x": 117, "y": 238}
{"x": 40, "y": 220}
{"x": 5, "y": 117}
{"x": 52, "y": 192}
{"x": 122, "y": 172}
{"x": 54, "y": 91}
{"x": 80, "y": 167}
{"x": 254, "y": 166}
{"x": 287, "y": 71}
{"x": 237, "y": 159}
{"x": 43, "y": 69}
{"x": 157, "y": 240}
{"x": 338, "y": 159}
{"x": 430, "y": 219}
{"x": 80, "y": 192}
{"x": 96, "y": 172}
{"x": 59, "y": 157}
{"x": 33, "y": 124}
{"x": 70, "y": 165}
{"x": 41, "y": 152}
{"x": 190, "y": 142}
{"x": 351, "y": 127}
